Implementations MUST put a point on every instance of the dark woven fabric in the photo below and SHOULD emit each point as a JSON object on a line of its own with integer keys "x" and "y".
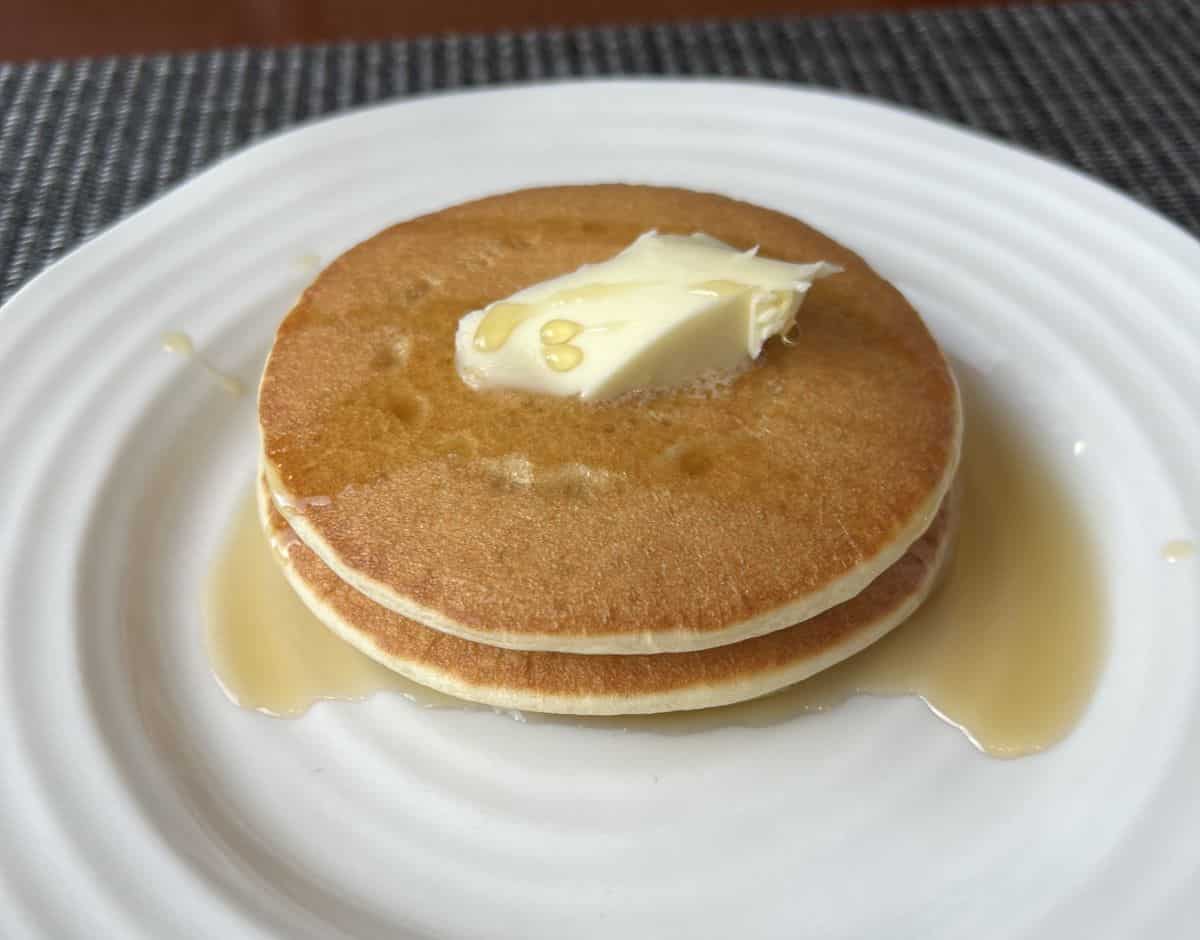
{"x": 1113, "y": 88}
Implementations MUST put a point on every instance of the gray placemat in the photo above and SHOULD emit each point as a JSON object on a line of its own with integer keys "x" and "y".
{"x": 1112, "y": 88}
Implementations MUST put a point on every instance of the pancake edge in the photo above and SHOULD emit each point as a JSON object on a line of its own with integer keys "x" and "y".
{"x": 690, "y": 698}
{"x": 662, "y": 641}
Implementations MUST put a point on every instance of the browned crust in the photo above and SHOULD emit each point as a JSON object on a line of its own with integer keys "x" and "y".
{"x": 819, "y": 466}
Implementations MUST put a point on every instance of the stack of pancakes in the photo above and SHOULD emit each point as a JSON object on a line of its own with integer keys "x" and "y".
{"x": 674, "y": 550}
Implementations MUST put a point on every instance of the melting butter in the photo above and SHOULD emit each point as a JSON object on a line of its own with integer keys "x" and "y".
{"x": 499, "y": 320}
{"x": 685, "y": 305}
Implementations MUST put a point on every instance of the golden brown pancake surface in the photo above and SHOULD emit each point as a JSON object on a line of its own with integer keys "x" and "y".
{"x": 582, "y": 684}
{"x": 681, "y": 521}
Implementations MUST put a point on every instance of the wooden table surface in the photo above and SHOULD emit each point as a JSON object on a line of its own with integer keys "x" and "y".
{"x": 41, "y": 29}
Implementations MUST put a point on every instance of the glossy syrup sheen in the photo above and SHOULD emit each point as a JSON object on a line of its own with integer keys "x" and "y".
{"x": 502, "y": 318}
{"x": 1009, "y": 648}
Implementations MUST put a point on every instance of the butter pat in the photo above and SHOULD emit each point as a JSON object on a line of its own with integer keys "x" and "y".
{"x": 666, "y": 310}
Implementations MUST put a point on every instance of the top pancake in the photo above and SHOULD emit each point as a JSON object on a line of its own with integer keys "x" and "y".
{"x": 682, "y": 521}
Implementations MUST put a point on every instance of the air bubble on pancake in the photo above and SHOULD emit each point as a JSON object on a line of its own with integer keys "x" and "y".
{"x": 419, "y": 288}
{"x": 407, "y": 407}
{"x": 695, "y": 463}
{"x": 690, "y": 458}
{"x": 392, "y": 355}
{"x": 382, "y": 358}
{"x": 520, "y": 242}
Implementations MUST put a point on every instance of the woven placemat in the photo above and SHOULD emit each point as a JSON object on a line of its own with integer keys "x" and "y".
{"x": 1112, "y": 88}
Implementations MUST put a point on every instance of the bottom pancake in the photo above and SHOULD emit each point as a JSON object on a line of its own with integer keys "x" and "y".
{"x": 607, "y": 684}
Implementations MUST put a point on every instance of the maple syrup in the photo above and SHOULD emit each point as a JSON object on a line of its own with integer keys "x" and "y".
{"x": 1009, "y": 648}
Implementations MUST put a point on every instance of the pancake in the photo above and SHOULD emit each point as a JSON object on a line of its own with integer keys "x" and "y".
{"x": 608, "y": 684}
{"x": 681, "y": 521}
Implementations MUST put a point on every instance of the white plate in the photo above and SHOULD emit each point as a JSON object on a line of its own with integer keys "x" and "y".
{"x": 135, "y": 801}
